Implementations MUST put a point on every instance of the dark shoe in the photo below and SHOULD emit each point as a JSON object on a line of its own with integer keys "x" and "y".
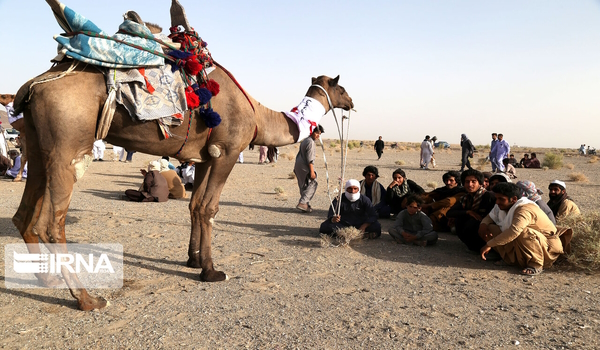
{"x": 100, "y": 160}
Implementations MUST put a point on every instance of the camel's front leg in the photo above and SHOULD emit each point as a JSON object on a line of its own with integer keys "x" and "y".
{"x": 203, "y": 208}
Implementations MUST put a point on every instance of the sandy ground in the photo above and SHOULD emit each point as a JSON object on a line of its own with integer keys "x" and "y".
{"x": 286, "y": 291}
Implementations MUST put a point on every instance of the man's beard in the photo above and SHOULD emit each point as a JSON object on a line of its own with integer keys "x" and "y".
{"x": 554, "y": 196}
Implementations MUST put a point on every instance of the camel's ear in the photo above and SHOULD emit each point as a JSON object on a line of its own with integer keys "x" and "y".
{"x": 314, "y": 80}
{"x": 178, "y": 16}
{"x": 333, "y": 82}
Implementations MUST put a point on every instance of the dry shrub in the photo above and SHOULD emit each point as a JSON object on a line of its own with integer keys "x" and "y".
{"x": 292, "y": 176}
{"x": 585, "y": 245}
{"x": 545, "y": 168}
{"x": 400, "y": 162}
{"x": 552, "y": 160}
{"x": 570, "y": 166}
{"x": 279, "y": 190}
{"x": 288, "y": 156}
{"x": 594, "y": 159}
{"x": 432, "y": 184}
{"x": 344, "y": 237}
{"x": 482, "y": 161}
{"x": 578, "y": 177}
{"x": 410, "y": 149}
{"x": 479, "y": 167}
{"x": 401, "y": 148}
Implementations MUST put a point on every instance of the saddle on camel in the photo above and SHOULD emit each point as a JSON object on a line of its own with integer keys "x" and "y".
{"x": 213, "y": 121}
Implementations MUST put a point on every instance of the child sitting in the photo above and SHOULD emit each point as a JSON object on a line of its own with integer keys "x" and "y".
{"x": 413, "y": 226}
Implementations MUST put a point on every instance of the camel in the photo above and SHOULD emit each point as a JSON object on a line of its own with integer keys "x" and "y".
{"x": 18, "y": 124}
{"x": 74, "y": 103}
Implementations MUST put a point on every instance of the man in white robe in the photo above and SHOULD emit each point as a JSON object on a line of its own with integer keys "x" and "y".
{"x": 426, "y": 153}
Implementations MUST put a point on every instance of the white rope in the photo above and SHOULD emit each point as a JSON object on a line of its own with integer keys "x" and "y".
{"x": 344, "y": 152}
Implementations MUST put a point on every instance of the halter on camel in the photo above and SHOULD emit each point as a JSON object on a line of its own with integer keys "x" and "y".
{"x": 344, "y": 152}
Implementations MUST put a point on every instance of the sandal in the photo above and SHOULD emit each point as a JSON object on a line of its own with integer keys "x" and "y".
{"x": 531, "y": 271}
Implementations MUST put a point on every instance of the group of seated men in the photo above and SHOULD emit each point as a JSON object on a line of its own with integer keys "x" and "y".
{"x": 501, "y": 220}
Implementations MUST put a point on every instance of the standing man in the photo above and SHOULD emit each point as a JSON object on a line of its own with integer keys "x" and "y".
{"x": 305, "y": 169}
{"x": 501, "y": 151}
{"x": 426, "y": 153}
{"x": 379, "y": 146}
{"x": 492, "y": 150}
{"x": 467, "y": 152}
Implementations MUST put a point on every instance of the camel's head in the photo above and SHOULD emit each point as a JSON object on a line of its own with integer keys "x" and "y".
{"x": 6, "y": 99}
{"x": 338, "y": 95}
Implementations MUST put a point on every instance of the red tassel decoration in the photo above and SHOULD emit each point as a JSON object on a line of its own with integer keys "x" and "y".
{"x": 212, "y": 86}
{"x": 191, "y": 98}
{"x": 192, "y": 66}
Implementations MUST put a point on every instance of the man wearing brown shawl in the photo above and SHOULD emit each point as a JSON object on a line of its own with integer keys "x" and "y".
{"x": 471, "y": 209}
{"x": 560, "y": 203}
{"x": 520, "y": 232}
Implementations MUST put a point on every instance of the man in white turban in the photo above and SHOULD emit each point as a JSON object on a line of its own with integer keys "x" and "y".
{"x": 356, "y": 210}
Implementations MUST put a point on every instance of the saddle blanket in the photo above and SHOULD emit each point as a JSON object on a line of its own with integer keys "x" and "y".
{"x": 105, "y": 52}
{"x": 307, "y": 116}
{"x": 149, "y": 93}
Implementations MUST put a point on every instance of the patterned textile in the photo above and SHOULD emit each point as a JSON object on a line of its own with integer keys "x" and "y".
{"x": 307, "y": 116}
{"x": 150, "y": 93}
{"x": 472, "y": 201}
{"x": 104, "y": 52}
{"x": 529, "y": 190}
{"x": 401, "y": 190}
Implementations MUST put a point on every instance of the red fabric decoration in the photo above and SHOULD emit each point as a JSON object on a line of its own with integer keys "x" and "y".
{"x": 212, "y": 86}
{"x": 192, "y": 66}
{"x": 192, "y": 99}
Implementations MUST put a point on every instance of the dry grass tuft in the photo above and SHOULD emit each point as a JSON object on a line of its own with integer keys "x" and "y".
{"x": 279, "y": 190}
{"x": 553, "y": 161}
{"x": 578, "y": 177}
{"x": 290, "y": 156}
{"x": 545, "y": 168}
{"x": 594, "y": 159}
{"x": 343, "y": 237}
{"x": 400, "y": 162}
{"x": 570, "y": 166}
{"x": 432, "y": 184}
{"x": 482, "y": 161}
{"x": 292, "y": 176}
{"x": 585, "y": 245}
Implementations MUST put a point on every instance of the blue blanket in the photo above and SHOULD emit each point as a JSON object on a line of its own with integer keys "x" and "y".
{"x": 105, "y": 52}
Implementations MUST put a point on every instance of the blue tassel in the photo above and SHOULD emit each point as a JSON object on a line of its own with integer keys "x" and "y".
{"x": 211, "y": 118}
{"x": 203, "y": 94}
{"x": 179, "y": 54}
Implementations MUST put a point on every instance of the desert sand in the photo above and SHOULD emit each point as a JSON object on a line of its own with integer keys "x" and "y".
{"x": 285, "y": 289}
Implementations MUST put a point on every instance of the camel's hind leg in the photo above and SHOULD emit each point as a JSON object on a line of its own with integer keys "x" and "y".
{"x": 29, "y": 211}
{"x": 203, "y": 208}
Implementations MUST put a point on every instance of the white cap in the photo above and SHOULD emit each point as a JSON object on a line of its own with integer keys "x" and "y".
{"x": 352, "y": 182}
{"x": 559, "y": 183}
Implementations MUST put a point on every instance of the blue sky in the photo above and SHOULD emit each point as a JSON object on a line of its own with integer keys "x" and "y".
{"x": 528, "y": 69}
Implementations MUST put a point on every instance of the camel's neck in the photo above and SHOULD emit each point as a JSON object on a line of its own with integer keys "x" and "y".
{"x": 275, "y": 128}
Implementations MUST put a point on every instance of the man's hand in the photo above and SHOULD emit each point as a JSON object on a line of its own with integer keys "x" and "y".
{"x": 485, "y": 233}
{"x": 394, "y": 183}
{"x": 313, "y": 175}
{"x": 336, "y": 218}
{"x": 408, "y": 237}
{"x": 143, "y": 171}
{"x": 474, "y": 215}
{"x": 484, "y": 251}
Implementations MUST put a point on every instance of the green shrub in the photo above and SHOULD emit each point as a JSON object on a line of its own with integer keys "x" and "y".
{"x": 553, "y": 161}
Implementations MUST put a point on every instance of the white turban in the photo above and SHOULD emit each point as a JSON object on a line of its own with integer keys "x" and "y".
{"x": 352, "y": 182}
{"x": 154, "y": 165}
{"x": 164, "y": 165}
{"x": 559, "y": 183}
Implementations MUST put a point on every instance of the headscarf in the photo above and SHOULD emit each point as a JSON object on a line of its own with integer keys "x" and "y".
{"x": 352, "y": 182}
{"x": 154, "y": 165}
{"x": 464, "y": 137}
{"x": 501, "y": 176}
{"x": 352, "y": 197}
{"x": 164, "y": 165}
{"x": 530, "y": 191}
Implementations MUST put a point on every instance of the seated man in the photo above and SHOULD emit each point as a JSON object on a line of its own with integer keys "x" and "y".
{"x": 176, "y": 187}
{"x": 512, "y": 160}
{"x": 534, "y": 163}
{"x": 471, "y": 209}
{"x": 356, "y": 210}
{"x": 486, "y": 179}
{"x": 529, "y": 190}
{"x": 413, "y": 226}
{"x": 14, "y": 170}
{"x": 375, "y": 191}
{"x": 496, "y": 179}
{"x": 399, "y": 190}
{"x": 525, "y": 161}
{"x": 154, "y": 188}
{"x": 560, "y": 203}
{"x": 520, "y": 232}
{"x": 440, "y": 200}
{"x": 509, "y": 169}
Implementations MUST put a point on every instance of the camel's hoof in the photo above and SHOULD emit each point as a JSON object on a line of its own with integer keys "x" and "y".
{"x": 193, "y": 263}
{"x": 213, "y": 276}
{"x": 92, "y": 303}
